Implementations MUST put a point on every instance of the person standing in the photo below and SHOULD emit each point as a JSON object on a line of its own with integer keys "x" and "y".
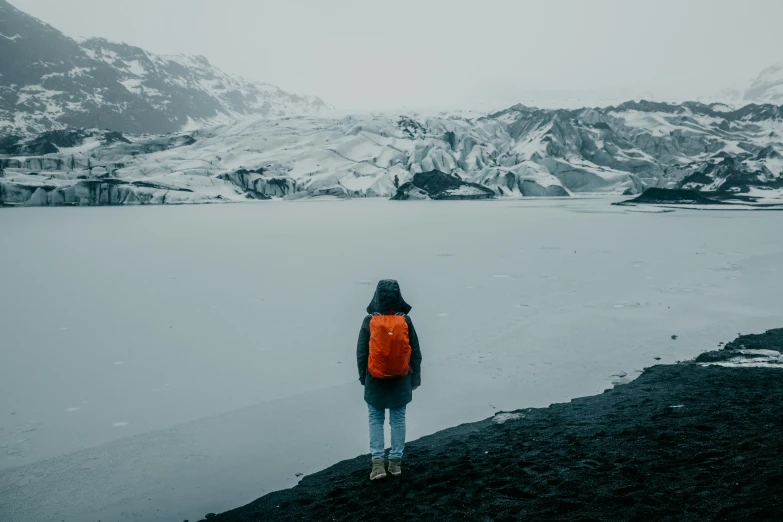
{"x": 389, "y": 361}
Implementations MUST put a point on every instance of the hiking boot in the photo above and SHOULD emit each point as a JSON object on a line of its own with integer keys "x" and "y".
{"x": 395, "y": 467}
{"x": 378, "y": 471}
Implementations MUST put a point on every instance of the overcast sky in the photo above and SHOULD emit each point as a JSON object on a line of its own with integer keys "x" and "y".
{"x": 365, "y": 54}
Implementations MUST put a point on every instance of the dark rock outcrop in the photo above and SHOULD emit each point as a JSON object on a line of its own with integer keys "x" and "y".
{"x": 660, "y": 196}
{"x": 410, "y": 127}
{"x": 439, "y": 185}
{"x": 49, "y": 142}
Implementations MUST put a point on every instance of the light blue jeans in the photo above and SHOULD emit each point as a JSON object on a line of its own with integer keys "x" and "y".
{"x": 397, "y": 423}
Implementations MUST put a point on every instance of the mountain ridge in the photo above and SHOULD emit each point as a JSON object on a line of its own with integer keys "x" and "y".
{"x": 50, "y": 81}
{"x": 97, "y": 122}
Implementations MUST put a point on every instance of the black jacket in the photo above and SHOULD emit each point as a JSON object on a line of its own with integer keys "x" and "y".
{"x": 396, "y": 392}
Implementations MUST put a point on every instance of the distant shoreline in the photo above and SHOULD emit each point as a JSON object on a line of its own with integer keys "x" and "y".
{"x": 696, "y": 440}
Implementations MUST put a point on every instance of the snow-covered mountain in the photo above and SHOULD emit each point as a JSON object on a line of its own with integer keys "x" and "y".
{"x": 768, "y": 86}
{"x": 49, "y": 81}
{"x": 518, "y": 152}
{"x": 179, "y": 130}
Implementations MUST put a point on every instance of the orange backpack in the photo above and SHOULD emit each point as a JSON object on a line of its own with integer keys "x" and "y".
{"x": 390, "y": 347}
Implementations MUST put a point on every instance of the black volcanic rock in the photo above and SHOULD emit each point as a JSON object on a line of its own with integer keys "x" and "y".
{"x": 688, "y": 441}
{"x": 439, "y": 185}
{"x": 660, "y": 196}
{"x": 770, "y": 340}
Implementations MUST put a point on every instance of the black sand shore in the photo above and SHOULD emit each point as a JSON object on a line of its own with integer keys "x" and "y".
{"x": 687, "y": 441}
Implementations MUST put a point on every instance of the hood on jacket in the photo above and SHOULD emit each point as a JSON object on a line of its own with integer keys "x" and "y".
{"x": 387, "y": 299}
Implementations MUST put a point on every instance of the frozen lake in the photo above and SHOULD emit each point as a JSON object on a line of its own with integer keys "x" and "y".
{"x": 159, "y": 363}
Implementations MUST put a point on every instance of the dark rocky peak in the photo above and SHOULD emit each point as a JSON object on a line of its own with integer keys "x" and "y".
{"x": 754, "y": 112}
{"x": 439, "y": 185}
{"x": 518, "y": 108}
{"x": 105, "y": 46}
{"x": 707, "y": 110}
{"x": 648, "y": 106}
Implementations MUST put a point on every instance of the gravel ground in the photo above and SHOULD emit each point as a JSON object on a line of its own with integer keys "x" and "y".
{"x": 690, "y": 441}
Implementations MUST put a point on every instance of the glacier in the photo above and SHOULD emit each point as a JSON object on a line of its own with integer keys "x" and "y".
{"x": 518, "y": 152}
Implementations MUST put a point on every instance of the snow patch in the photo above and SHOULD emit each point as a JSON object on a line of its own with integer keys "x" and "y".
{"x": 758, "y": 359}
{"x": 504, "y": 417}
